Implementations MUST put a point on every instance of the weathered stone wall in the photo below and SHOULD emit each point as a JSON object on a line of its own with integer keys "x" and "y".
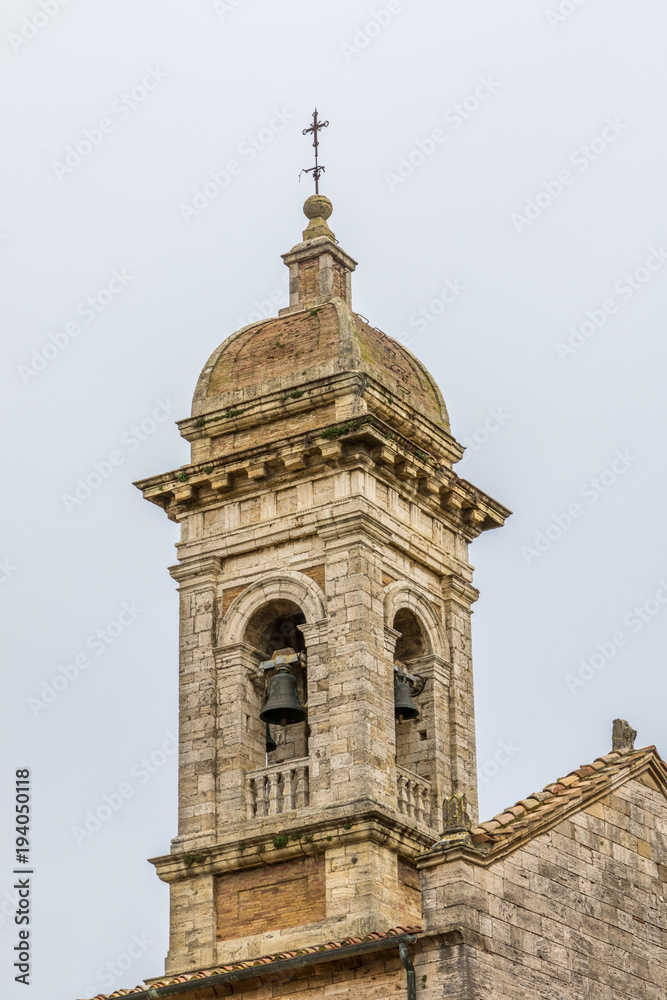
{"x": 578, "y": 912}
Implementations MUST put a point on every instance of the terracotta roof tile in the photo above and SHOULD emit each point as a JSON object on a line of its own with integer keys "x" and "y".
{"x": 504, "y": 818}
{"x": 264, "y": 960}
{"x": 541, "y": 809}
{"x": 517, "y": 810}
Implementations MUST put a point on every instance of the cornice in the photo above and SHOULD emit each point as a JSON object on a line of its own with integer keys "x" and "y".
{"x": 358, "y": 443}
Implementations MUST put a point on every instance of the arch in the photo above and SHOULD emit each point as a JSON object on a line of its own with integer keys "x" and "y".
{"x": 404, "y": 596}
{"x": 287, "y": 586}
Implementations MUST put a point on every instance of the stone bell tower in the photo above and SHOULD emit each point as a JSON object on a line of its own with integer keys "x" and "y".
{"x": 324, "y": 529}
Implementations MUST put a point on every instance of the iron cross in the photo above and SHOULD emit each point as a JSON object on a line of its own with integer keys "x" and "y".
{"x": 317, "y": 170}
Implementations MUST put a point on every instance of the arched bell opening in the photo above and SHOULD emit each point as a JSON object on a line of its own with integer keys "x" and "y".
{"x": 411, "y": 731}
{"x": 273, "y": 630}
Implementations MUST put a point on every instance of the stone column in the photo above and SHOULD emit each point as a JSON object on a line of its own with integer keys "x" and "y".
{"x": 459, "y": 595}
{"x": 198, "y": 585}
{"x": 316, "y": 635}
{"x": 360, "y": 671}
{"x": 240, "y": 734}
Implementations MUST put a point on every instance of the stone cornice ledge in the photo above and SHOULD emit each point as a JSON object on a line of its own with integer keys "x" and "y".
{"x": 249, "y": 850}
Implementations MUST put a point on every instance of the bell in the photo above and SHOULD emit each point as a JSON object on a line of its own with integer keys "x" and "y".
{"x": 271, "y": 744}
{"x": 283, "y": 707}
{"x": 404, "y": 706}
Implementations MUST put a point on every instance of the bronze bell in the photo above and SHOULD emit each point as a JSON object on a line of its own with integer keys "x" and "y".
{"x": 271, "y": 744}
{"x": 283, "y": 707}
{"x": 404, "y": 706}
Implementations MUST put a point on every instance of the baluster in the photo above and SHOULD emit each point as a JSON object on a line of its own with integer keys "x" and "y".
{"x": 419, "y": 806}
{"x": 250, "y": 799}
{"x": 402, "y": 797}
{"x": 426, "y": 805}
{"x": 302, "y": 793}
{"x": 288, "y": 790}
{"x": 411, "y": 798}
{"x": 274, "y": 793}
{"x": 260, "y": 796}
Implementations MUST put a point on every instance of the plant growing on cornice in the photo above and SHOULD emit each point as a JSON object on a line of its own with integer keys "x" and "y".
{"x": 182, "y": 477}
{"x": 335, "y": 432}
{"x": 200, "y": 421}
{"x": 282, "y": 840}
{"x": 208, "y": 469}
{"x": 194, "y": 859}
{"x": 233, "y": 413}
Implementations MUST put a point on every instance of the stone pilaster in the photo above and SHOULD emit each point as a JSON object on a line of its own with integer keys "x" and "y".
{"x": 458, "y": 596}
{"x": 197, "y": 577}
{"x": 361, "y": 742}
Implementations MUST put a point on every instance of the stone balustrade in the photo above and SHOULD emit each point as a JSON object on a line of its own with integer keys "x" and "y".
{"x": 414, "y": 795}
{"x": 277, "y": 789}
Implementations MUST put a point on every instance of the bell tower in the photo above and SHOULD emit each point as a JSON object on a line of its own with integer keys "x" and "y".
{"x": 326, "y": 692}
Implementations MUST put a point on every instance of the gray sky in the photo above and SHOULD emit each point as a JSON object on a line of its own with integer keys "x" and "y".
{"x": 497, "y": 169}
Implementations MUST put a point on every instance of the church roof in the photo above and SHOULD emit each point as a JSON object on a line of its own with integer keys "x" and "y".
{"x": 540, "y": 811}
{"x": 199, "y": 979}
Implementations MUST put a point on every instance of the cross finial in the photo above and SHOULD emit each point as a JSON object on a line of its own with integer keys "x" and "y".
{"x": 317, "y": 170}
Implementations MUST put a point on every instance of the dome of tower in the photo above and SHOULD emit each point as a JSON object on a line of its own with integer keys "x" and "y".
{"x": 317, "y": 336}
{"x": 284, "y": 353}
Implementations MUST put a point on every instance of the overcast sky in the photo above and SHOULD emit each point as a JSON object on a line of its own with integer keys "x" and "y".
{"x": 498, "y": 170}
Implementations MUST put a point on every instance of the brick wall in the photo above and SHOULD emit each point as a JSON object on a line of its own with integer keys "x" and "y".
{"x": 281, "y": 895}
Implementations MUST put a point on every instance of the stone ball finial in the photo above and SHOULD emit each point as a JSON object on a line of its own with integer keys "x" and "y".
{"x": 317, "y": 207}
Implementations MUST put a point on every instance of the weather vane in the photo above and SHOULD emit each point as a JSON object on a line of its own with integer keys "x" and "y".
{"x": 317, "y": 169}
